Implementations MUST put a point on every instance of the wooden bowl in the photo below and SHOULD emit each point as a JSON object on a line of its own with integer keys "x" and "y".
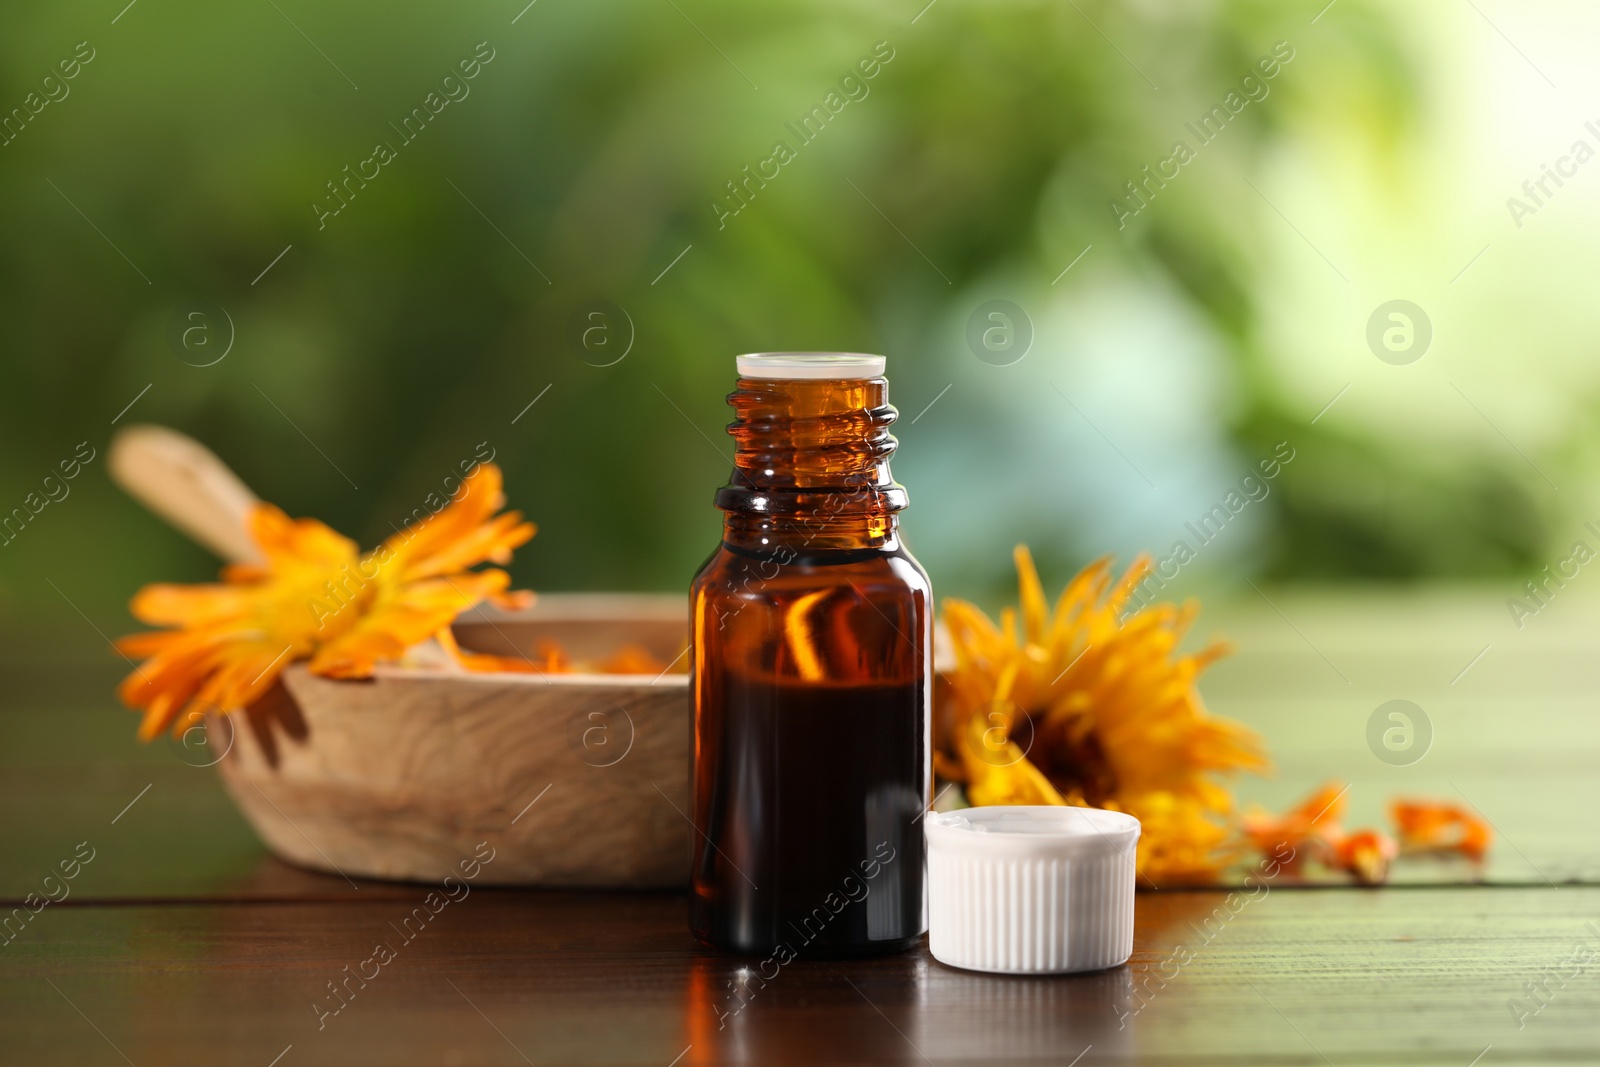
{"x": 574, "y": 779}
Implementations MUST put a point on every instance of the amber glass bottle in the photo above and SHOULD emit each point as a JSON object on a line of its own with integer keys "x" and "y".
{"x": 812, "y": 645}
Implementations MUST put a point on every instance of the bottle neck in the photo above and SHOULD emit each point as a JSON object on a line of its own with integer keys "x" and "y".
{"x": 788, "y": 539}
{"x": 811, "y": 466}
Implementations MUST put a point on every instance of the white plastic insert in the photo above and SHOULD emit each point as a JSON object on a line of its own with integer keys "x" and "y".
{"x": 838, "y": 366}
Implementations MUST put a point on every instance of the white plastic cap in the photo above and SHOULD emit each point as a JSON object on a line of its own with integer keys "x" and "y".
{"x": 839, "y": 366}
{"x": 1031, "y": 889}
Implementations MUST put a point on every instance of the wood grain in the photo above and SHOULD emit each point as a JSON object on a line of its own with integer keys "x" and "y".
{"x": 1418, "y": 976}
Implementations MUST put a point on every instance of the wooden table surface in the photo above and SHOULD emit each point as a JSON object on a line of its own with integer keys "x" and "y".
{"x": 183, "y": 942}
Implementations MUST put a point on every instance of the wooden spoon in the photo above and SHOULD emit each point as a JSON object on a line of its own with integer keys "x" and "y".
{"x": 185, "y": 483}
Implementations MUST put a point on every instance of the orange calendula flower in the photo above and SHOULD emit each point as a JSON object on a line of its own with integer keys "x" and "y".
{"x": 994, "y": 767}
{"x": 1438, "y": 826}
{"x": 1076, "y": 705}
{"x": 314, "y": 596}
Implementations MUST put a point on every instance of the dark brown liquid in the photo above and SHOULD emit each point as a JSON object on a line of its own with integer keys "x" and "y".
{"x": 813, "y": 818}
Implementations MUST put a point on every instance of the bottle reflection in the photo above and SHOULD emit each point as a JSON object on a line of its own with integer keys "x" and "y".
{"x": 908, "y": 1010}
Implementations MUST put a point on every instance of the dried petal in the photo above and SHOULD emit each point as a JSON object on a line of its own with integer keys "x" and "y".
{"x": 1365, "y": 854}
{"x": 1311, "y": 827}
{"x": 1440, "y": 826}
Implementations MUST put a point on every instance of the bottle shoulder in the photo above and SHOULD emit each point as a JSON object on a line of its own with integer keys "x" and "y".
{"x": 744, "y": 572}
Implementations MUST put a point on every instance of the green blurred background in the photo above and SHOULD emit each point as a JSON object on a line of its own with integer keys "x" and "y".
{"x": 585, "y": 164}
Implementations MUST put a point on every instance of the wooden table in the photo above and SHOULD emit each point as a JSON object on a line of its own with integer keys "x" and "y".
{"x": 182, "y": 942}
